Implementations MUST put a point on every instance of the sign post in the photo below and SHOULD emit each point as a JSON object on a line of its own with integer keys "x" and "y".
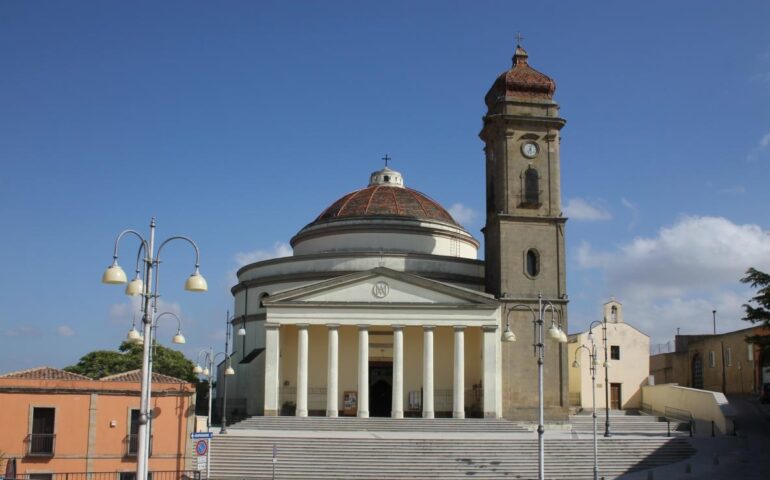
{"x": 202, "y": 451}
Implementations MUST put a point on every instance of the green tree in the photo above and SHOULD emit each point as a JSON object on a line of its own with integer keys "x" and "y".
{"x": 760, "y": 311}
{"x": 101, "y": 363}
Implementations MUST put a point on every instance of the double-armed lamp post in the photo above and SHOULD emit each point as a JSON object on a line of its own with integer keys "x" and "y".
{"x": 147, "y": 266}
{"x": 592, "y": 368}
{"x": 554, "y": 332}
{"x": 603, "y": 323}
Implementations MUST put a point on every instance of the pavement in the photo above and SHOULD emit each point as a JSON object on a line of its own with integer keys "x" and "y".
{"x": 745, "y": 456}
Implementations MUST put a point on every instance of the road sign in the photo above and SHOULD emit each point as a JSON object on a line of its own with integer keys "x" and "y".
{"x": 201, "y": 448}
{"x": 199, "y": 435}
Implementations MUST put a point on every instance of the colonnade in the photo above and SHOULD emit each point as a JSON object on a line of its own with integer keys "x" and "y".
{"x": 490, "y": 375}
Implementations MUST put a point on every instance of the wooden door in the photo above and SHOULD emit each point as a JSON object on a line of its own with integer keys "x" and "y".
{"x": 615, "y": 396}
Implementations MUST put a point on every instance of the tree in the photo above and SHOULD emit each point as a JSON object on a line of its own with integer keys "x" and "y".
{"x": 101, "y": 363}
{"x": 761, "y": 312}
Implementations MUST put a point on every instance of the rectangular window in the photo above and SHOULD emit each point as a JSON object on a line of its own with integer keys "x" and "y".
{"x": 41, "y": 438}
{"x": 133, "y": 434}
{"x": 750, "y": 352}
{"x": 615, "y": 352}
{"x": 712, "y": 359}
{"x": 729, "y": 356}
{"x": 40, "y": 476}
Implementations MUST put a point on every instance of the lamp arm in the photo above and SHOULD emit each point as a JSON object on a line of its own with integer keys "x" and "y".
{"x": 519, "y": 306}
{"x": 178, "y": 320}
{"x": 188, "y": 240}
{"x": 120, "y": 235}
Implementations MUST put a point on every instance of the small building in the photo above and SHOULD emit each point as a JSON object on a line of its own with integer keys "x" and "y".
{"x": 629, "y": 363}
{"x": 726, "y": 362}
{"x": 54, "y": 422}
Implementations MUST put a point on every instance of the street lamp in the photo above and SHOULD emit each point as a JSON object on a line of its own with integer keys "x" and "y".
{"x": 606, "y": 365}
{"x": 209, "y": 357}
{"x": 555, "y": 333}
{"x": 576, "y": 364}
{"x": 229, "y": 368}
{"x": 146, "y": 260}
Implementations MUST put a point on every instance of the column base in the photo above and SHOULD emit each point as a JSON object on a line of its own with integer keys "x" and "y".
{"x": 271, "y": 413}
{"x": 363, "y": 415}
{"x": 332, "y": 413}
{"x": 395, "y": 414}
{"x": 458, "y": 414}
{"x": 300, "y": 413}
{"x": 428, "y": 415}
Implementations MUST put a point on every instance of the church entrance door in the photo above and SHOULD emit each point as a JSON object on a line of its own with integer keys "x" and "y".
{"x": 380, "y": 388}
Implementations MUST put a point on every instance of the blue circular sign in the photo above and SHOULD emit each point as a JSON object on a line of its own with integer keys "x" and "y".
{"x": 201, "y": 447}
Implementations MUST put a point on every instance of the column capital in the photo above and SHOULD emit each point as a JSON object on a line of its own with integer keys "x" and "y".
{"x": 363, "y": 327}
{"x": 489, "y": 328}
{"x": 428, "y": 327}
{"x": 303, "y": 326}
{"x": 333, "y": 326}
{"x": 272, "y": 326}
{"x": 459, "y": 328}
{"x": 397, "y": 327}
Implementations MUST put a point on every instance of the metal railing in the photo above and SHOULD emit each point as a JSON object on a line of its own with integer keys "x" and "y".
{"x": 679, "y": 415}
{"x": 41, "y": 444}
{"x": 127, "y": 475}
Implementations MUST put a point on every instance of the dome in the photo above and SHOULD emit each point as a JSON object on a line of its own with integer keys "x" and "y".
{"x": 386, "y": 195}
{"x": 385, "y": 216}
{"x": 521, "y": 81}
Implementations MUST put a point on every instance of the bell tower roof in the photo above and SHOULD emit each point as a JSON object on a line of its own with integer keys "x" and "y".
{"x": 521, "y": 81}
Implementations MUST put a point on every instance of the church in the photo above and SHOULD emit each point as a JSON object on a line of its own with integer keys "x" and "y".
{"x": 384, "y": 308}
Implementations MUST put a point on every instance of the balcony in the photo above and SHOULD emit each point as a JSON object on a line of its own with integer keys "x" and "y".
{"x": 41, "y": 444}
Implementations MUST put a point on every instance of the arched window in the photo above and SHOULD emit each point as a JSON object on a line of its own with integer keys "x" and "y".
{"x": 532, "y": 263}
{"x": 614, "y": 313}
{"x": 531, "y": 187}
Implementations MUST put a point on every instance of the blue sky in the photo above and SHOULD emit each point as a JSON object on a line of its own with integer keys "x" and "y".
{"x": 236, "y": 123}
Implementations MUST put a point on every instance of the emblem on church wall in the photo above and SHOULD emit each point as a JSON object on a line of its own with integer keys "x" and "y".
{"x": 380, "y": 290}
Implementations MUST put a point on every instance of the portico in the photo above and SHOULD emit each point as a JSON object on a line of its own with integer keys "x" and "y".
{"x": 422, "y": 341}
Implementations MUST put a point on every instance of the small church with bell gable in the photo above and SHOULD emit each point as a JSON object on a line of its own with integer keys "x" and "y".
{"x": 384, "y": 308}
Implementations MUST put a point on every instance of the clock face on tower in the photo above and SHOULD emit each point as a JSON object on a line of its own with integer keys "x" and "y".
{"x": 529, "y": 149}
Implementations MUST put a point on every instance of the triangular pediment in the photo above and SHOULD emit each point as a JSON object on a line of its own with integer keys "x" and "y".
{"x": 383, "y": 286}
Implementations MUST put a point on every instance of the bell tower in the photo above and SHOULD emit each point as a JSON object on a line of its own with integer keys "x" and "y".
{"x": 524, "y": 231}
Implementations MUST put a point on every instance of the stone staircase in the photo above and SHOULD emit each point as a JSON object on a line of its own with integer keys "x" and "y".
{"x": 350, "y": 448}
{"x": 375, "y": 424}
{"x": 627, "y": 422}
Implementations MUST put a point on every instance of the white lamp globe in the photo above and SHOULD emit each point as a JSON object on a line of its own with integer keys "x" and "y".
{"x": 229, "y": 371}
{"x": 575, "y": 364}
{"x": 135, "y": 287}
{"x": 508, "y": 335}
{"x": 196, "y": 282}
{"x": 553, "y": 332}
{"x": 133, "y": 335}
{"x": 241, "y": 332}
{"x": 179, "y": 338}
{"x": 197, "y": 370}
{"x": 114, "y": 275}
{"x": 206, "y": 372}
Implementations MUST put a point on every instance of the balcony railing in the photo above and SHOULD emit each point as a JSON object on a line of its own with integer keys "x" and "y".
{"x": 132, "y": 445}
{"x": 41, "y": 444}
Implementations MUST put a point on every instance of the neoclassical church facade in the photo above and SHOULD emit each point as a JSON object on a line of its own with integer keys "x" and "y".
{"x": 384, "y": 308}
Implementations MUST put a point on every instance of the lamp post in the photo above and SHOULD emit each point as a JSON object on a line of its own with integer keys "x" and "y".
{"x": 209, "y": 357}
{"x": 554, "y": 332}
{"x": 228, "y": 370}
{"x": 148, "y": 260}
{"x": 603, "y": 323}
{"x": 576, "y": 364}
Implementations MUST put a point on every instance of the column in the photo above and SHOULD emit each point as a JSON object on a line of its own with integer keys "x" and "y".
{"x": 427, "y": 372}
{"x": 302, "y": 371}
{"x": 398, "y": 372}
{"x": 458, "y": 409}
{"x": 491, "y": 374}
{"x": 363, "y": 371}
{"x": 332, "y": 374}
{"x": 272, "y": 359}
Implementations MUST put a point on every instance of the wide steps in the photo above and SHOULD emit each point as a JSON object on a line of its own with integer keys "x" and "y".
{"x": 354, "y": 424}
{"x": 370, "y": 458}
{"x": 628, "y": 424}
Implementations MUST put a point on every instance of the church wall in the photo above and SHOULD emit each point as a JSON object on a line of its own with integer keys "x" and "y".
{"x": 413, "y": 350}
{"x": 318, "y": 357}
{"x": 386, "y": 241}
{"x": 288, "y": 365}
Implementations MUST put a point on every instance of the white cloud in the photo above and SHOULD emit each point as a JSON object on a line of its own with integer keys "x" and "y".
{"x": 279, "y": 249}
{"x": 579, "y": 209}
{"x": 128, "y": 312}
{"x": 462, "y": 214}
{"x": 676, "y": 278}
{"x": 760, "y": 148}
{"x": 24, "y": 331}
{"x": 633, "y": 210}
{"x": 65, "y": 331}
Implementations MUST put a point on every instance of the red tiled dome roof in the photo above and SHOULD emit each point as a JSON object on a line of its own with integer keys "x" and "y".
{"x": 521, "y": 81}
{"x": 385, "y": 200}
